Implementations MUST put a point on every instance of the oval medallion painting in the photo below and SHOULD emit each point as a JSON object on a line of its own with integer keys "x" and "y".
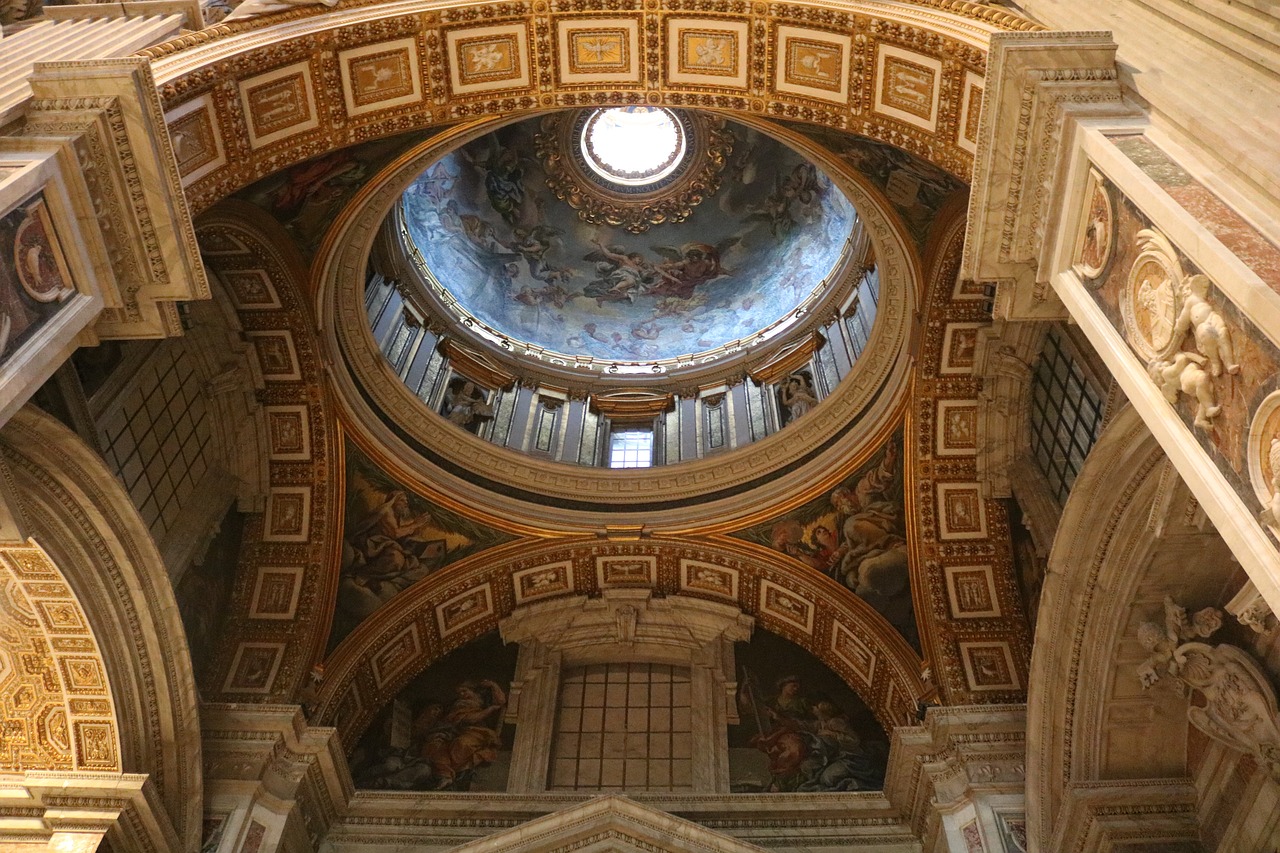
{"x": 761, "y": 232}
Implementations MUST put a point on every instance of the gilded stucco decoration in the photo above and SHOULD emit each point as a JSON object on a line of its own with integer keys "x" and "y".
{"x": 56, "y": 702}
{"x": 449, "y": 609}
{"x": 282, "y": 583}
{"x": 250, "y": 100}
{"x": 970, "y": 612}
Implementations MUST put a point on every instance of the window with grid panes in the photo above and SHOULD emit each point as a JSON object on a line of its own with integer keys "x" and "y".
{"x": 632, "y": 448}
{"x": 1066, "y": 415}
{"x": 623, "y": 726}
{"x": 157, "y": 435}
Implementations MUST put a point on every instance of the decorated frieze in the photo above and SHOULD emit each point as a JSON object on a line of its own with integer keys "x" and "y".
{"x": 969, "y": 608}
{"x": 447, "y": 610}
{"x": 280, "y": 584}
{"x": 1210, "y": 361}
{"x": 910, "y": 77}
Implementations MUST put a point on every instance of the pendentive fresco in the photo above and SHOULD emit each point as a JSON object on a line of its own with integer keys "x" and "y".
{"x": 391, "y": 538}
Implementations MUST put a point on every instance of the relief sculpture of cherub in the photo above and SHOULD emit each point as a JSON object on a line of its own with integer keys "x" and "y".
{"x": 1185, "y": 372}
{"x": 1212, "y": 337}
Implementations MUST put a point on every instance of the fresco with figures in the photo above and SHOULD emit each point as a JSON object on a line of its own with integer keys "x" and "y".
{"x": 444, "y": 730}
{"x": 524, "y": 263}
{"x": 856, "y": 533}
{"x": 307, "y": 197}
{"x": 392, "y": 538}
{"x": 801, "y": 729}
{"x": 34, "y": 280}
{"x": 916, "y": 189}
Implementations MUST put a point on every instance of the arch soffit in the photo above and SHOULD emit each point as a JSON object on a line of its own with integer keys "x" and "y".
{"x": 464, "y": 601}
{"x": 85, "y": 521}
{"x": 298, "y": 535}
{"x": 805, "y": 456}
{"x": 53, "y": 682}
{"x": 246, "y": 99}
{"x": 1103, "y": 538}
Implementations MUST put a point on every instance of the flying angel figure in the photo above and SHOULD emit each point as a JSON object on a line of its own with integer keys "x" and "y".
{"x": 600, "y": 49}
{"x": 713, "y": 51}
{"x": 691, "y": 265}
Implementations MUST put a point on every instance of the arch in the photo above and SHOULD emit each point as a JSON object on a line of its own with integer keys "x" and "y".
{"x": 319, "y": 55}
{"x": 1122, "y": 544}
{"x": 53, "y": 684}
{"x": 87, "y": 525}
{"x": 693, "y": 494}
{"x": 463, "y": 601}
{"x": 288, "y": 548}
{"x": 971, "y": 619}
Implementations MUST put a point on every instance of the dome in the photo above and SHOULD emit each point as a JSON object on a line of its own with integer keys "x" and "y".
{"x": 527, "y": 237}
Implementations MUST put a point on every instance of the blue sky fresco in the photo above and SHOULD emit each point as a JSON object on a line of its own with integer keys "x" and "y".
{"x": 523, "y": 262}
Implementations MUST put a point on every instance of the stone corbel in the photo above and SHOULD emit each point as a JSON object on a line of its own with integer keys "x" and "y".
{"x": 74, "y": 812}
{"x": 962, "y": 772}
{"x": 300, "y": 771}
{"x": 1037, "y": 83}
{"x": 1250, "y": 608}
{"x": 110, "y": 112}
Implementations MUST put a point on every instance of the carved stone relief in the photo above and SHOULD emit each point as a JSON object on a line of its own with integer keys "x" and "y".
{"x": 1239, "y": 702}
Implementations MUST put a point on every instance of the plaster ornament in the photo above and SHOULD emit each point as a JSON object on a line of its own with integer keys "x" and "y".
{"x": 257, "y": 8}
{"x": 1096, "y": 239}
{"x": 1185, "y": 372}
{"x": 1271, "y": 510}
{"x": 1162, "y": 641}
{"x": 1251, "y": 609}
{"x": 1150, "y": 304}
{"x": 1212, "y": 337}
{"x": 1240, "y": 705}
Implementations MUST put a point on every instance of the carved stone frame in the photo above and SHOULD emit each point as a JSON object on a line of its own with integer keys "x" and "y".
{"x": 624, "y": 625}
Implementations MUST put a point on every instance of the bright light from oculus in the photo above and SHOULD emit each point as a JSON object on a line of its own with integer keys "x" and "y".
{"x": 634, "y": 146}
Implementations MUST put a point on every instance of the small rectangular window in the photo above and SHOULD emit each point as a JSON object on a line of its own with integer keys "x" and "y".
{"x": 632, "y": 448}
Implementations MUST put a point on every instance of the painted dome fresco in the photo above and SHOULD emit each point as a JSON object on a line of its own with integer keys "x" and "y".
{"x": 630, "y": 235}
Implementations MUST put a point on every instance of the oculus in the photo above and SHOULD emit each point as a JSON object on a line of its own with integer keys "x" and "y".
{"x": 632, "y": 146}
{"x": 633, "y": 167}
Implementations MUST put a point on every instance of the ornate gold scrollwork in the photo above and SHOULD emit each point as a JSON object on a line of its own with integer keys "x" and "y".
{"x": 636, "y": 209}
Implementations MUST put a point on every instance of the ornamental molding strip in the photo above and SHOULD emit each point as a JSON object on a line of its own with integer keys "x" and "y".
{"x": 1036, "y": 85}
{"x": 297, "y": 76}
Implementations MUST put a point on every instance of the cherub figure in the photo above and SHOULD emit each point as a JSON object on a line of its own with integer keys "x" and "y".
{"x": 1213, "y": 338}
{"x": 1163, "y": 641}
{"x": 1185, "y": 372}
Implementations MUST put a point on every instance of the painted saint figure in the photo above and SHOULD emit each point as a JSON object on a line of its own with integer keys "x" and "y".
{"x": 809, "y": 741}
{"x": 465, "y": 404}
{"x": 446, "y": 746}
{"x": 797, "y": 396}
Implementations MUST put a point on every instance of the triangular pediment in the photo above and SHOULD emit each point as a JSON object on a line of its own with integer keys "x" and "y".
{"x": 609, "y": 824}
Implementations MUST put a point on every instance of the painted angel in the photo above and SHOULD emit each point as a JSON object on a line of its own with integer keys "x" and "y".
{"x": 690, "y": 266}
